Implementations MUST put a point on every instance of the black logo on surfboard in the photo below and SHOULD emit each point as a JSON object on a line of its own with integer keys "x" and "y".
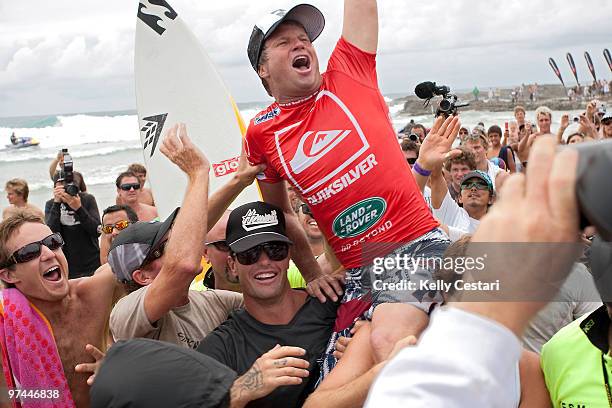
{"x": 152, "y": 130}
{"x": 150, "y": 12}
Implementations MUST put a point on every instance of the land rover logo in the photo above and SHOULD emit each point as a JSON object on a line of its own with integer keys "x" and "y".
{"x": 359, "y": 217}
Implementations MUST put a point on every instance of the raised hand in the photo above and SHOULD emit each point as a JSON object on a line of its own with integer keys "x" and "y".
{"x": 437, "y": 144}
{"x": 179, "y": 148}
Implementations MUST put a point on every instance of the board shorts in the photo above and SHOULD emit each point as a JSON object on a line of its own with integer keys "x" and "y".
{"x": 371, "y": 285}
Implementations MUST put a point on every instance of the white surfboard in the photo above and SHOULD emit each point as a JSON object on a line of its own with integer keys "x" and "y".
{"x": 177, "y": 82}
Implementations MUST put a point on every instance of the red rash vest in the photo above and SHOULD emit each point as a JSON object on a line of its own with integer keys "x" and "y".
{"x": 339, "y": 150}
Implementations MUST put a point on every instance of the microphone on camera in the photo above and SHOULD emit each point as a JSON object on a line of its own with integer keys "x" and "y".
{"x": 427, "y": 90}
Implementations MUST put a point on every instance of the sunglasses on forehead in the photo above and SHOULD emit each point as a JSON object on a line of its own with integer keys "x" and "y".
{"x": 129, "y": 186}
{"x": 276, "y": 251}
{"x": 32, "y": 250}
{"x": 120, "y": 225}
{"x": 221, "y": 245}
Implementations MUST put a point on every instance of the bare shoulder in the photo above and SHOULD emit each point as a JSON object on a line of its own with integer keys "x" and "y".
{"x": 100, "y": 287}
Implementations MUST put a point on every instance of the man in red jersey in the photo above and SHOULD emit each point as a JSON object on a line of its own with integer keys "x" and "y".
{"x": 329, "y": 135}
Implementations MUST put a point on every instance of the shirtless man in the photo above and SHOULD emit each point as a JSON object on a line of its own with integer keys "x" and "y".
{"x": 146, "y": 197}
{"x": 76, "y": 309}
{"x": 17, "y": 195}
{"x": 129, "y": 192}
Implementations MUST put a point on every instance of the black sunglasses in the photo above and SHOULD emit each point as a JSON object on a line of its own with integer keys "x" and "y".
{"x": 411, "y": 160}
{"x": 306, "y": 209}
{"x": 221, "y": 245}
{"x": 276, "y": 251}
{"x": 32, "y": 250}
{"x": 128, "y": 187}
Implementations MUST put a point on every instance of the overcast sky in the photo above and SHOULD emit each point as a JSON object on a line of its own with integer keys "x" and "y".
{"x": 77, "y": 56}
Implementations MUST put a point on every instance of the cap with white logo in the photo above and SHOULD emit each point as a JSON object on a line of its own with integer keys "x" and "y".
{"x": 255, "y": 223}
{"x": 307, "y": 15}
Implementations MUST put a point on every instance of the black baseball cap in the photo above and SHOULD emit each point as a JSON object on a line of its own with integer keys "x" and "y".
{"x": 137, "y": 244}
{"x": 255, "y": 223}
{"x": 307, "y": 15}
{"x": 144, "y": 373}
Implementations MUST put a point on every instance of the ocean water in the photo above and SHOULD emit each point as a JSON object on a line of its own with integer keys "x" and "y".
{"x": 104, "y": 144}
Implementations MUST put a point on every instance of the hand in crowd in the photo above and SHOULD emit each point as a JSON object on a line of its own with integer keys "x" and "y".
{"x": 540, "y": 207}
{"x": 437, "y": 144}
{"x": 60, "y": 196}
{"x": 178, "y": 147}
{"x": 565, "y": 121}
{"x": 91, "y": 368}
{"x": 73, "y": 202}
{"x": 327, "y": 286}
{"x": 587, "y": 126}
{"x": 278, "y": 367}
{"x": 343, "y": 342}
{"x": 246, "y": 173}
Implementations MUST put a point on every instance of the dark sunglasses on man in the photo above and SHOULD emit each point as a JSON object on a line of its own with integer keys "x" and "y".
{"x": 32, "y": 250}
{"x": 129, "y": 186}
{"x": 221, "y": 245}
{"x": 276, "y": 251}
{"x": 477, "y": 184}
{"x": 411, "y": 160}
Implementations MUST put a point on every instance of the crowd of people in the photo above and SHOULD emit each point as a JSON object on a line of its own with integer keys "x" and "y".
{"x": 335, "y": 289}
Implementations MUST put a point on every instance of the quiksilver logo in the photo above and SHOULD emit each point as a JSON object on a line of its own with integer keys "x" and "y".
{"x": 252, "y": 220}
{"x": 152, "y": 130}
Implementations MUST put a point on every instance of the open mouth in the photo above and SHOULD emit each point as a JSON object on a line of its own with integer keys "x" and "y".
{"x": 267, "y": 276}
{"x": 53, "y": 274}
{"x": 301, "y": 63}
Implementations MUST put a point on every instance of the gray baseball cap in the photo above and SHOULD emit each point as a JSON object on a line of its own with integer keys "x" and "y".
{"x": 136, "y": 245}
{"x": 307, "y": 15}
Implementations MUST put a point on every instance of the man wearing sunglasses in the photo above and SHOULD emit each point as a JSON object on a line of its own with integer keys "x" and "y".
{"x": 33, "y": 266}
{"x": 476, "y": 196}
{"x": 115, "y": 219}
{"x": 216, "y": 252}
{"x": 128, "y": 193}
{"x": 290, "y": 327}
{"x": 157, "y": 261}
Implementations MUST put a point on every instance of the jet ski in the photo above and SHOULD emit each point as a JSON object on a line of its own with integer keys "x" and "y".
{"x": 22, "y": 142}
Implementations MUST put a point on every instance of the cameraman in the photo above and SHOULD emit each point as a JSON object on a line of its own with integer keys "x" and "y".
{"x": 77, "y": 219}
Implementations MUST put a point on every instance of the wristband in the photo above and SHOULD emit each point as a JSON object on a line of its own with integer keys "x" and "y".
{"x": 420, "y": 170}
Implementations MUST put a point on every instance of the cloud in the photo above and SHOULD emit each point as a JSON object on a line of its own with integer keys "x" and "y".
{"x": 464, "y": 42}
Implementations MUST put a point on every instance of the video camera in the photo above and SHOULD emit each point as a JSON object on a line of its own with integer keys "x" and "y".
{"x": 448, "y": 105}
{"x": 67, "y": 174}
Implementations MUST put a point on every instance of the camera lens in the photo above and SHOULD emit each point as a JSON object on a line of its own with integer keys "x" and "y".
{"x": 413, "y": 137}
{"x": 445, "y": 105}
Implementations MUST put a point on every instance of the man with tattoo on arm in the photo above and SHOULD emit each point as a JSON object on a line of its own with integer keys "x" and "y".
{"x": 275, "y": 342}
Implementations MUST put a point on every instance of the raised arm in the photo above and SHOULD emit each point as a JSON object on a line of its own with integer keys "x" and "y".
{"x": 360, "y": 26}
{"x": 221, "y": 199}
{"x": 184, "y": 248}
